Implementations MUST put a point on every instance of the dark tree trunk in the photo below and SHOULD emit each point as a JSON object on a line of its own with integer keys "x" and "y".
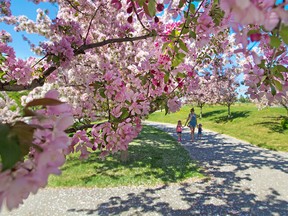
{"x": 229, "y": 111}
{"x": 124, "y": 156}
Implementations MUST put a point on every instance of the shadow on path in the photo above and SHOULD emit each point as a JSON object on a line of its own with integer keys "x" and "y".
{"x": 244, "y": 180}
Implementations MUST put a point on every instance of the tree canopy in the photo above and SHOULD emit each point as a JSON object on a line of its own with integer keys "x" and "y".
{"x": 105, "y": 65}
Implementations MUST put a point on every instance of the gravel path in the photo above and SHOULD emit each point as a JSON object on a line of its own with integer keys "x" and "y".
{"x": 245, "y": 180}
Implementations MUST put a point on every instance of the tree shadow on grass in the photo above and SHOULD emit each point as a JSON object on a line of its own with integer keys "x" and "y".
{"x": 155, "y": 155}
{"x": 212, "y": 113}
{"x": 273, "y": 124}
{"x": 234, "y": 115}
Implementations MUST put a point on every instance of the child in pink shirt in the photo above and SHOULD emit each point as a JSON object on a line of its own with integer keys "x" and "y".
{"x": 179, "y": 130}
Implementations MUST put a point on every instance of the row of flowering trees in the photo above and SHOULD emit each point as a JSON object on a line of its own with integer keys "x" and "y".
{"x": 121, "y": 60}
{"x": 214, "y": 89}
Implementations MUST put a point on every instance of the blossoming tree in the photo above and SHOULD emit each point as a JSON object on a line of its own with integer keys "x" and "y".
{"x": 119, "y": 60}
{"x": 205, "y": 93}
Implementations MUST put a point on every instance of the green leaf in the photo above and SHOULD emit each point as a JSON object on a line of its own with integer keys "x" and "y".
{"x": 192, "y": 34}
{"x": 217, "y": 14}
{"x": 282, "y": 68}
{"x": 143, "y": 79}
{"x": 27, "y": 112}
{"x": 146, "y": 10}
{"x": 102, "y": 92}
{"x": 173, "y": 33}
{"x": 176, "y": 49}
{"x": 274, "y": 41}
{"x": 2, "y": 73}
{"x": 176, "y": 62}
{"x": 56, "y": 59}
{"x": 180, "y": 56}
{"x": 208, "y": 57}
{"x": 185, "y": 30}
{"x": 214, "y": 50}
{"x": 284, "y": 33}
{"x": 43, "y": 102}
{"x": 279, "y": 52}
{"x": 278, "y": 85}
{"x": 166, "y": 77}
{"x": 278, "y": 74}
{"x": 154, "y": 33}
{"x": 253, "y": 31}
{"x": 181, "y": 4}
{"x": 263, "y": 78}
{"x": 151, "y": 8}
{"x": 24, "y": 133}
{"x": 181, "y": 75}
{"x": 165, "y": 46}
{"x": 273, "y": 90}
{"x": 141, "y": 2}
{"x": 9, "y": 149}
{"x": 96, "y": 85}
{"x": 192, "y": 8}
{"x": 2, "y": 58}
{"x": 125, "y": 113}
{"x": 183, "y": 46}
{"x": 166, "y": 108}
{"x": 262, "y": 64}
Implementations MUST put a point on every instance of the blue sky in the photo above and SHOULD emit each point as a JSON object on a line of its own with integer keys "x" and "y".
{"x": 20, "y": 7}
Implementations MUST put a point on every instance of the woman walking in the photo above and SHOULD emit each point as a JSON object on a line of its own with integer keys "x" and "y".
{"x": 192, "y": 122}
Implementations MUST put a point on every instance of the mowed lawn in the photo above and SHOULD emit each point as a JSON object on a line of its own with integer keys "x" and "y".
{"x": 154, "y": 158}
{"x": 259, "y": 127}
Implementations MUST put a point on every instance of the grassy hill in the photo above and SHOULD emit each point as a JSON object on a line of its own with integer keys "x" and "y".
{"x": 265, "y": 128}
{"x": 154, "y": 158}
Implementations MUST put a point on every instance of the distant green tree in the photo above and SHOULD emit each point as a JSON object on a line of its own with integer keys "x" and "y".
{"x": 243, "y": 99}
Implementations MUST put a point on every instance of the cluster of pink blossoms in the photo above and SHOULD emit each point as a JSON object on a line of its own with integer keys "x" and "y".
{"x": 14, "y": 68}
{"x": 61, "y": 50}
{"x": 52, "y": 142}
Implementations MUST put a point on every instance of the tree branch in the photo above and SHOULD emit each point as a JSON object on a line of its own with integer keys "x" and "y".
{"x": 82, "y": 127}
{"x": 84, "y": 47}
{"x": 7, "y": 86}
{"x": 35, "y": 83}
{"x": 90, "y": 23}
{"x": 137, "y": 15}
{"x": 74, "y": 7}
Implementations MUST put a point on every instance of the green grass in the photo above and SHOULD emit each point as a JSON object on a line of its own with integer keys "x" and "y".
{"x": 154, "y": 158}
{"x": 265, "y": 128}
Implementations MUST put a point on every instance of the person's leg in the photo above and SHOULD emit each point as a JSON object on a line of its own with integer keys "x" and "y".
{"x": 192, "y": 133}
{"x": 179, "y": 136}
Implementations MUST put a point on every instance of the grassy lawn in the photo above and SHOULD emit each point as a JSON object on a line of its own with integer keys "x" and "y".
{"x": 154, "y": 158}
{"x": 259, "y": 127}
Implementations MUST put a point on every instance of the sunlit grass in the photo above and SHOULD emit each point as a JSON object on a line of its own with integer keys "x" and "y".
{"x": 259, "y": 127}
{"x": 154, "y": 158}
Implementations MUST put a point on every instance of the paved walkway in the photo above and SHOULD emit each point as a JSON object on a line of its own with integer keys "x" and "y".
{"x": 245, "y": 180}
